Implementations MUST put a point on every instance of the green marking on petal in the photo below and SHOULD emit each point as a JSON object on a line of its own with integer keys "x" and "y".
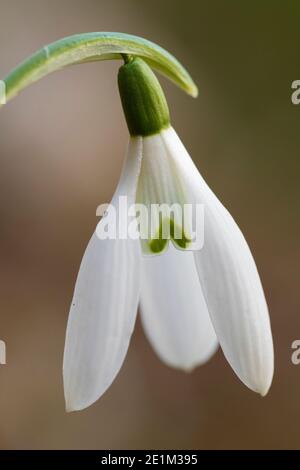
{"x": 182, "y": 242}
{"x": 157, "y": 246}
{"x": 168, "y": 230}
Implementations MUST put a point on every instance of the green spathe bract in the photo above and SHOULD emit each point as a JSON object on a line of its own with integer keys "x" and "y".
{"x": 157, "y": 245}
{"x": 91, "y": 47}
{"x": 144, "y": 103}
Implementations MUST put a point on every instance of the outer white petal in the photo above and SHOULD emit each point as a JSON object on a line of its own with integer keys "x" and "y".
{"x": 173, "y": 310}
{"x": 104, "y": 305}
{"x": 230, "y": 282}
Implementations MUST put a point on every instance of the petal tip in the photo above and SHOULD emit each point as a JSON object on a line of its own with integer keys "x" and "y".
{"x": 188, "y": 368}
{"x": 264, "y": 390}
{"x": 194, "y": 92}
{"x": 261, "y": 388}
{"x": 72, "y": 405}
{"x": 69, "y": 408}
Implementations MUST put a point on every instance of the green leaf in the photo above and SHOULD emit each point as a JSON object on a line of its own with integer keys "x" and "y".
{"x": 91, "y": 47}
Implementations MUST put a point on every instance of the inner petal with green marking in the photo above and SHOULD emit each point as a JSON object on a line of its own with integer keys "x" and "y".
{"x": 163, "y": 195}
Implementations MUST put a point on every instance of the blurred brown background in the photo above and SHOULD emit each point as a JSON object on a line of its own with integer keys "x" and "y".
{"x": 62, "y": 145}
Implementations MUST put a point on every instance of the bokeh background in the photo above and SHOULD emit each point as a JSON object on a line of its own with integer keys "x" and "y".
{"x": 62, "y": 145}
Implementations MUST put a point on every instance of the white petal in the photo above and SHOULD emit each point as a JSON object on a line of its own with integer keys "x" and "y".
{"x": 230, "y": 282}
{"x": 161, "y": 184}
{"x": 104, "y": 305}
{"x": 173, "y": 310}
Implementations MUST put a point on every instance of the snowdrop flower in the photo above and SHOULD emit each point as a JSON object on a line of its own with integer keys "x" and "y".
{"x": 186, "y": 298}
{"x": 191, "y": 299}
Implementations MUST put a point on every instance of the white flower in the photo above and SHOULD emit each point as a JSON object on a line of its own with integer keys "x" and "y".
{"x": 189, "y": 300}
{"x": 179, "y": 291}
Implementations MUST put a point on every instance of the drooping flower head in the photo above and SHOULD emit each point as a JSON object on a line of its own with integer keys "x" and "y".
{"x": 196, "y": 284}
